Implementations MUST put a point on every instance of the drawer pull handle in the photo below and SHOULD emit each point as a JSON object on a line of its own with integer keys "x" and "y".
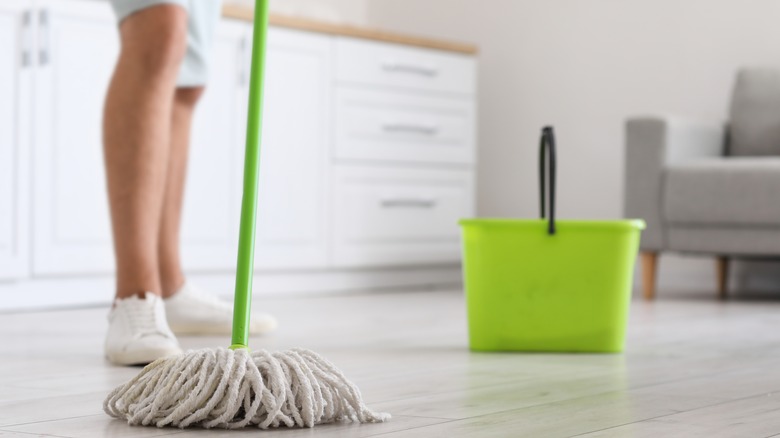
{"x": 409, "y": 203}
{"x": 429, "y": 130}
{"x": 420, "y": 70}
{"x": 243, "y": 65}
{"x": 27, "y": 40}
{"x": 44, "y": 55}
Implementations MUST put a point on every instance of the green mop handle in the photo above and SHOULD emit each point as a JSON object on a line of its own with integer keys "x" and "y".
{"x": 246, "y": 238}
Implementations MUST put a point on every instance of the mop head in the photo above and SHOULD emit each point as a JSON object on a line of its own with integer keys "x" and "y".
{"x": 231, "y": 389}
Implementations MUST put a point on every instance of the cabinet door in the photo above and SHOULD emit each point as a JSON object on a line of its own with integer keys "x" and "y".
{"x": 77, "y": 45}
{"x": 15, "y": 94}
{"x": 209, "y": 218}
{"x": 292, "y": 226}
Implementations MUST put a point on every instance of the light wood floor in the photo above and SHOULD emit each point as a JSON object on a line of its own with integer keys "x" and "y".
{"x": 694, "y": 367}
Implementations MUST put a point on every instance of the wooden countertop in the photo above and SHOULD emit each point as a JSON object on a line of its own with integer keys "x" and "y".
{"x": 241, "y": 12}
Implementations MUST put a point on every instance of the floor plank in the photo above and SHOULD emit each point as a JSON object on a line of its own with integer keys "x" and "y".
{"x": 564, "y": 418}
{"x": 748, "y": 417}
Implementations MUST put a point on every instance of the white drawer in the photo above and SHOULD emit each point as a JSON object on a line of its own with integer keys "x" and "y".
{"x": 398, "y": 216}
{"x": 392, "y": 65}
{"x": 381, "y": 125}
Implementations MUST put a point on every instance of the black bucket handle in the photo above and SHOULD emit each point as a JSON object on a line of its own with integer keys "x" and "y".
{"x": 547, "y": 147}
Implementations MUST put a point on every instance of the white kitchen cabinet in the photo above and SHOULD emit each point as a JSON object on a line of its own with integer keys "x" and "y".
{"x": 77, "y": 45}
{"x": 405, "y": 146}
{"x": 16, "y": 44}
{"x": 367, "y": 157}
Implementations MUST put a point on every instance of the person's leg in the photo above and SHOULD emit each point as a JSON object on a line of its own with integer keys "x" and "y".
{"x": 170, "y": 269}
{"x": 137, "y": 133}
{"x": 188, "y": 309}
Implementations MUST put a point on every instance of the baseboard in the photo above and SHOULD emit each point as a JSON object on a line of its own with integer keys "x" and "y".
{"x": 48, "y": 293}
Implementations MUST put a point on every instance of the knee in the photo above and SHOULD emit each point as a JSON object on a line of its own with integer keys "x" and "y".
{"x": 154, "y": 39}
{"x": 189, "y": 96}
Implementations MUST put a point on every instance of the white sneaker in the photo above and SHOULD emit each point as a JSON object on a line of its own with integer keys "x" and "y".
{"x": 192, "y": 311}
{"x": 138, "y": 332}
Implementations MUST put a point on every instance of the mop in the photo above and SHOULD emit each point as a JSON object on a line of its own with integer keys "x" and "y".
{"x": 232, "y": 387}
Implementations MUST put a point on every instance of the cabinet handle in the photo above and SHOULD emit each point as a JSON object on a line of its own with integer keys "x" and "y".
{"x": 242, "y": 64}
{"x": 26, "y": 39}
{"x": 43, "y": 36}
{"x": 416, "y": 69}
{"x": 408, "y": 203}
{"x": 429, "y": 130}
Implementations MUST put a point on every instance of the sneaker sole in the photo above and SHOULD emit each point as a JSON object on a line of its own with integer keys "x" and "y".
{"x": 204, "y": 329}
{"x": 144, "y": 357}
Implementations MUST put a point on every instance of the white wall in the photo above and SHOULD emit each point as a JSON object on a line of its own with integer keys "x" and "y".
{"x": 584, "y": 66}
{"x": 341, "y": 11}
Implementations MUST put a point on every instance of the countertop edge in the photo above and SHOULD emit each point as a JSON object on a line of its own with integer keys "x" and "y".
{"x": 240, "y": 12}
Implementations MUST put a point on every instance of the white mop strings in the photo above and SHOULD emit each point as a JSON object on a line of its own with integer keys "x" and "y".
{"x": 222, "y": 388}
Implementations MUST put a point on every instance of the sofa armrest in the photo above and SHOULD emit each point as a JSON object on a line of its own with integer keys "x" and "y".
{"x": 652, "y": 144}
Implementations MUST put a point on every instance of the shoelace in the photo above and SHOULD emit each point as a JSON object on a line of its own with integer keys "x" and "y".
{"x": 141, "y": 316}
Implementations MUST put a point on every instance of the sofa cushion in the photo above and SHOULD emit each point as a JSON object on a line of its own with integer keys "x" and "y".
{"x": 749, "y": 241}
{"x": 727, "y": 191}
{"x": 755, "y": 113}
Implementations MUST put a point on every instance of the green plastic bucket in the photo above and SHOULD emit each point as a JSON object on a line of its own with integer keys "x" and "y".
{"x": 547, "y": 285}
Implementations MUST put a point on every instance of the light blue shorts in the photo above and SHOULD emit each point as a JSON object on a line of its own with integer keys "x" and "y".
{"x": 203, "y": 16}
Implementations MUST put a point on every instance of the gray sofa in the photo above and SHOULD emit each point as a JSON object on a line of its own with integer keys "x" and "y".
{"x": 709, "y": 189}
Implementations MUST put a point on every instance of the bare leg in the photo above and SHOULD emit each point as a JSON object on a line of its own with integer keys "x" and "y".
{"x": 136, "y": 136}
{"x": 171, "y": 273}
{"x": 189, "y": 311}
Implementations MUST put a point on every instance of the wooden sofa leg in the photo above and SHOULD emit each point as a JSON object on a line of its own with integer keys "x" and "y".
{"x": 649, "y": 269}
{"x": 722, "y": 272}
